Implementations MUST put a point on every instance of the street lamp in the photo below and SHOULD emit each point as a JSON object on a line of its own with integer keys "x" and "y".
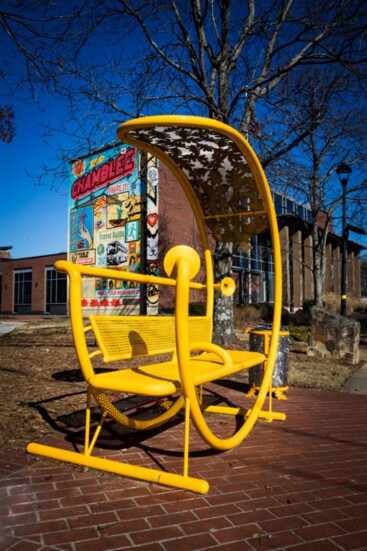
{"x": 343, "y": 172}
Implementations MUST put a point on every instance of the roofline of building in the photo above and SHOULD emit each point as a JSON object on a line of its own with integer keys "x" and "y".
{"x": 110, "y": 145}
{"x": 332, "y": 234}
{"x": 30, "y": 257}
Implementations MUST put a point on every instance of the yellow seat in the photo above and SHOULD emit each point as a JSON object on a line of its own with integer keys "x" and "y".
{"x": 164, "y": 379}
{"x": 190, "y": 359}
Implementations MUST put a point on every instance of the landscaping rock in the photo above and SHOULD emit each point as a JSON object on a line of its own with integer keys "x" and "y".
{"x": 334, "y": 336}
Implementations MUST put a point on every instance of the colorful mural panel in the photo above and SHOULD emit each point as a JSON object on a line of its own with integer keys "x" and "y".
{"x": 81, "y": 228}
{"x": 152, "y": 234}
{"x": 111, "y": 210}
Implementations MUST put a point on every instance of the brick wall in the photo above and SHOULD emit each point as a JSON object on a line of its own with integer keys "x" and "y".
{"x": 38, "y": 266}
{"x": 177, "y": 226}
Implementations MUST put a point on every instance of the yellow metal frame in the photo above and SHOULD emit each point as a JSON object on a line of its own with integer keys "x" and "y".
{"x": 125, "y": 133}
{"x": 194, "y": 361}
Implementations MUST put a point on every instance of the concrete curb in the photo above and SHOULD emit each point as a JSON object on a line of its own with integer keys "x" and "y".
{"x": 8, "y": 326}
{"x": 357, "y": 384}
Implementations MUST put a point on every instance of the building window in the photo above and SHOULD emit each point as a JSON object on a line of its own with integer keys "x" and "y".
{"x": 290, "y": 206}
{"x": 278, "y": 203}
{"x": 285, "y": 205}
{"x": 55, "y": 288}
{"x": 256, "y": 272}
{"x": 22, "y": 288}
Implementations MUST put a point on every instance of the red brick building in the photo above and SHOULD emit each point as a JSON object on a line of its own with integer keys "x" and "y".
{"x": 31, "y": 285}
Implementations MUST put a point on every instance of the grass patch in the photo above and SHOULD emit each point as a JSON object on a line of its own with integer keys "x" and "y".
{"x": 298, "y": 333}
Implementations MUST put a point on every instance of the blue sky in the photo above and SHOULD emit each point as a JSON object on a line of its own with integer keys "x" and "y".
{"x": 33, "y": 218}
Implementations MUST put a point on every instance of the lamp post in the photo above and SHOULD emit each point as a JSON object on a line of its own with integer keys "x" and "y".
{"x": 343, "y": 172}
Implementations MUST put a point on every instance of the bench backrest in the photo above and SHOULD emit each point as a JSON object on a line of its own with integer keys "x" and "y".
{"x": 125, "y": 337}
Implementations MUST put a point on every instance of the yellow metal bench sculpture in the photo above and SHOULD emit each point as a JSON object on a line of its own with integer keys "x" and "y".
{"x": 206, "y": 157}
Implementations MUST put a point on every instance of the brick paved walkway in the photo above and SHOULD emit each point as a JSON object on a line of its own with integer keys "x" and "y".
{"x": 299, "y": 485}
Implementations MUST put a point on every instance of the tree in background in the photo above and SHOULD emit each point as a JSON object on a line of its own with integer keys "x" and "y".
{"x": 7, "y": 126}
{"x": 336, "y": 134}
{"x": 227, "y": 60}
{"x": 364, "y": 277}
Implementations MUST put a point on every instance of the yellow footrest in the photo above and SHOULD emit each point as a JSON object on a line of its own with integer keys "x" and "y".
{"x": 107, "y": 465}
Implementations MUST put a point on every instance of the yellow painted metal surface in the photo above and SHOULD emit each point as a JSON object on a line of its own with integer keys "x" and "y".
{"x": 132, "y": 471}
{"x": 123, "y": 337}
{"x": 228, "y": 193}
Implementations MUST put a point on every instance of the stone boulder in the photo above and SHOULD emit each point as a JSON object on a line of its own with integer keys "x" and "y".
{"x": 333, "y": 336}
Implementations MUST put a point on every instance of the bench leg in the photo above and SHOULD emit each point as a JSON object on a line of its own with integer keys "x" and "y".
{"x": 88, "y": 446}
{"x": 125, "y": 469}
{"x": 186, "y": 437}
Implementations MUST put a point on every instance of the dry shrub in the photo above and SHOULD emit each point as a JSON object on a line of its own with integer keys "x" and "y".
{"x": 246, "y": 315}
{"x": 320, "y": 373}
{"x": 359, "y": 305}
{"x": 332, "y": 303}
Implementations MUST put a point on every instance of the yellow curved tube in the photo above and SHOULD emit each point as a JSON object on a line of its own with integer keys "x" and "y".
{"x": 182, "y": 265}
{"x": 137, "y": 424}
{"x": 183, "y": 272}
{"x": 132, "y": 471}
{"x": 126, "y": 134}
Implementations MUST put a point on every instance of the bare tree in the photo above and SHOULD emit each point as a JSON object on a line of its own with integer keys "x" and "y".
{"x": 218, "y": 58}
{"x": 364, "y": 276}
{"x": 336, "y": 134}
{"x": 7, "y": 125}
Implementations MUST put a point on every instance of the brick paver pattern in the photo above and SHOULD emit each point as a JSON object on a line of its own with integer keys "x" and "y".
{"x": 299, "y": 485}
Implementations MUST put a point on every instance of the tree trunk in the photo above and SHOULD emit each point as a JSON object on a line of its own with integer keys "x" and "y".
{"x": 319, "y": 249}
{"x": 223, "y": 306}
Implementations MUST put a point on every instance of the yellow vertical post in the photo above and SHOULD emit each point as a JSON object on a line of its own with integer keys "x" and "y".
{"x": 187, "y": 437}
{"x": 266, "y": 338}
{"x": 87, "y": 424}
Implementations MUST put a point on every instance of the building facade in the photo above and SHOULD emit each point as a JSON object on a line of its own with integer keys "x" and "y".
{"x": 31, "y": 286}
{"x": 253, "y": 267}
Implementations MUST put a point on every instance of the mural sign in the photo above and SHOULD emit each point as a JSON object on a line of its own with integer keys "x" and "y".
{"x": 152, "y": 234}
{"x": 109, "y": 208}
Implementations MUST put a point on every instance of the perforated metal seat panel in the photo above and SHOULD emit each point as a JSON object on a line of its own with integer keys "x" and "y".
{"x": 123, "y": 337}
{"x": 154, "y": 380}
{"x": 209, "y": 367}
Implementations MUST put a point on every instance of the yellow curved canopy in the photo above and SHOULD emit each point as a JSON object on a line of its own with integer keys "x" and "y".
{"x": 216, "y": 162}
